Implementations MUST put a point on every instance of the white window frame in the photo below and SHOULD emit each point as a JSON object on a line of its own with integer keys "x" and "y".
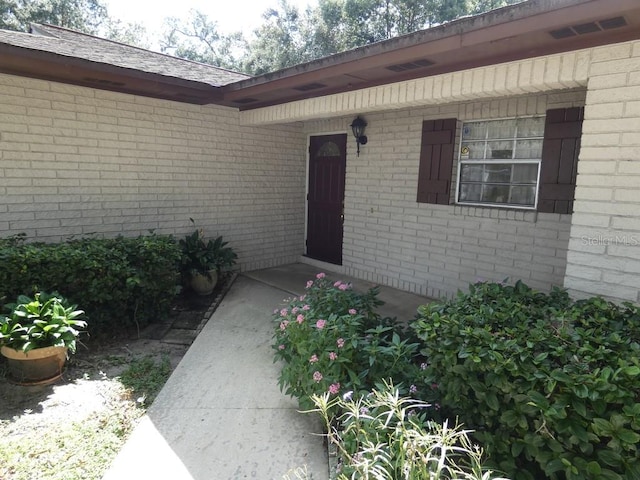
{"x": 485, "y": 161}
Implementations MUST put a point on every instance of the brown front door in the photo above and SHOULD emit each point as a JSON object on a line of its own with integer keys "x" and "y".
{"x": 327, "y": 162}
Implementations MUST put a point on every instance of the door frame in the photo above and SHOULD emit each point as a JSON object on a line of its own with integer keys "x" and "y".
{"x": 306, "y": 182}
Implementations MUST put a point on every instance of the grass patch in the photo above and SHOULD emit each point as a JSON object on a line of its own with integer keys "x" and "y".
{"x": 63, "y": 450}
{"x": 61, "y": 442}
{"x": 145, "y": 377}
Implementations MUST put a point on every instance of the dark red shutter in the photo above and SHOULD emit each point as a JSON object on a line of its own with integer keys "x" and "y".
{"x": 436, "y": 160}
{"x": 562, "y": 133}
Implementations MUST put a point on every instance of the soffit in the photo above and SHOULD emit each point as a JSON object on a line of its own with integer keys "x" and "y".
{"x": 527, "y": 30}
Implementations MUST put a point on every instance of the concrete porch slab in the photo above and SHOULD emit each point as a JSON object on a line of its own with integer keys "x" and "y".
{"x": 293, "y": 278}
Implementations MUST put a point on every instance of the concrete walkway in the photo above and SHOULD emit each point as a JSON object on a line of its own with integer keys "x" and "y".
{"x": 221, "y": 415}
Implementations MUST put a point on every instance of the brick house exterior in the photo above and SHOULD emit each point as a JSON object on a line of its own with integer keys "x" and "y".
{"x": 76, "y": 160}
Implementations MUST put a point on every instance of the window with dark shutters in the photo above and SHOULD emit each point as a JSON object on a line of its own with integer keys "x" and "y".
{"x": 562, "y": 132}
{"x": 436, "y": 160}
{"x": 501, "y": 158}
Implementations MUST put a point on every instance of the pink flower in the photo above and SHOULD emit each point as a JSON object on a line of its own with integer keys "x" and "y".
{"x": 320, "y": 324}
{"x": 284, "y": 312}
{"x": 300, "y": 318}
{"x": 280, "y": 347}
{"x": 352, "y": 311}
{"x": 302, "y": 297}
{"x": 283, "y": 324}
{"x": 338, "y": 283}
{"x": 320, "y": 275}
{"x": 334, "y": 388}
{"x": 294, "y": 310}
{"x": 317, "y": 376}
{"x": 344, "y": 287}
{"x": 413, "y": 389}
{"x": 313, "y": 359}
{"x": 309, "y": 283}
{"x": 340, "y": 342}
{"x": 333, "y": 355}
{"x": 306, "y": 308}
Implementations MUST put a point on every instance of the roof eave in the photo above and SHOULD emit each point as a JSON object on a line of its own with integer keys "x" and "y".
{"x": 50, "y": 66}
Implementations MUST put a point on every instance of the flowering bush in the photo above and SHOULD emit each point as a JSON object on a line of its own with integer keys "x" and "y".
{"x": 332, "y": 340}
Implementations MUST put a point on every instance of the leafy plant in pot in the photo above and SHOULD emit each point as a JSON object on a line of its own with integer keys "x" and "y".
{"x": 38, "y": 335}
{"x": 203, "y": 260}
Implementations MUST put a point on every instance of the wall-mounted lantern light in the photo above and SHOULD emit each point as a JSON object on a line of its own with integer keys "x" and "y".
{"x": 357, "y": 126}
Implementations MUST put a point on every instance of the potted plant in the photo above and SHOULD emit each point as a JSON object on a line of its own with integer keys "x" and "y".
{"x": 37, "y": 336}
{"x": 203, "y": 260}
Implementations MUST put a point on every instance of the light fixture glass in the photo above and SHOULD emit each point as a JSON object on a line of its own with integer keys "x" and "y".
{"x": 357, "y": 127}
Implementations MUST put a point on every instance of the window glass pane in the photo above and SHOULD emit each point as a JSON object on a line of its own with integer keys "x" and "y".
{"x": 490, "y": 171}
{"x": 501, "y": 128}
{"x": 495, "y": 193}
{"x": 529, "y": 149}
{"x": 471, "y": 173}
{"x": 474, "y": 150}
{"x": 521, "y": 195}
{"x": 470, "y": 192}
{"x": 525, "y": 173}
{"x": 500, "y": 150}
{"x": 329, "y": 149}
{"x": 499, "y": 173}
{"x": 530, "y": 127}
{"x": 474, "y": 131}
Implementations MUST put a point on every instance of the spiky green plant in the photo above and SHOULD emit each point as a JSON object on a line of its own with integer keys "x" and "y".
{"x": 383, "y": 436}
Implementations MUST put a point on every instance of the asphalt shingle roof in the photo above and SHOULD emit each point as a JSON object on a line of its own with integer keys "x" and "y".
{"x": 69, "y": 43}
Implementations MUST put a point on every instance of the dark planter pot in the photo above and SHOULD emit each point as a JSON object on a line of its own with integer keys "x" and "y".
{"x": 204, "y": 284}
{"x": 39, "y": 366}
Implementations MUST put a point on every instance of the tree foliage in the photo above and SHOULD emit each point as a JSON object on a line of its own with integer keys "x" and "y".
{"x": 281, "y": 41}
{"x": 88, "y": 16}
{"x": 83, "y": 15}
{"x": 197, "y": 38}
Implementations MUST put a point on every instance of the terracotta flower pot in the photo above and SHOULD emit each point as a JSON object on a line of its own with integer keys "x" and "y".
{"x": 203, "y": 284}
{"x": 38, "y": 366}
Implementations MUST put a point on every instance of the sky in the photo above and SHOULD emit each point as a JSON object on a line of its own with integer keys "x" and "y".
{"x": 231, "y": 15}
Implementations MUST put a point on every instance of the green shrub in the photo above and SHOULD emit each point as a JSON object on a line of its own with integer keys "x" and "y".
{"x": 549, "y": 385}
{"x": 331, "y": 340}
{"x": 120, "y": 282}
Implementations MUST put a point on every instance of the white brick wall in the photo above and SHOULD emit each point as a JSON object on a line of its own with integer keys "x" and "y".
{"x": 605, "y": 237}
{"x": 76, "y": 161}
{"x": 435, "y": 250}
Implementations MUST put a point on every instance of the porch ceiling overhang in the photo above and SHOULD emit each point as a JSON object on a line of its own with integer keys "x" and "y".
{"x": 531, "y": 29}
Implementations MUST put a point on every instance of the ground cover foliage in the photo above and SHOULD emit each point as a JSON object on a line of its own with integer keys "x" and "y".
{"x": 547, "y": 385}
{"x": 73, "y": 430}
